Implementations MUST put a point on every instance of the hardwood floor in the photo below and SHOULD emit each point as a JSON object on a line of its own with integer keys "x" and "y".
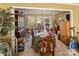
{"x": 60, "y": 50}
{"x": 28, "y": 51}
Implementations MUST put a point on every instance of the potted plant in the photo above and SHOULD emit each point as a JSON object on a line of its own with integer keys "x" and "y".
{"x": 6, "y": 21}
{"x": 37, "y": 44}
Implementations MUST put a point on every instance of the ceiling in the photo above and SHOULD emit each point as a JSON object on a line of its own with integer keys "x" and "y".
{"x": 37, "y": 11}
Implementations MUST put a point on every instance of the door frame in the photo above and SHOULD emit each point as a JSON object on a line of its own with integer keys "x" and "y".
{"x": 71, "y": 14}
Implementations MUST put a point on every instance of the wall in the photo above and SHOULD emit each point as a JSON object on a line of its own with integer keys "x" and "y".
{"x": 50, "y": 5}
{"x": 61, "y": 14}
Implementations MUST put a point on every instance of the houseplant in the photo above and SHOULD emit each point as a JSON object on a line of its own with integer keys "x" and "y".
{"x": 6, "y": 21}
{"x": 37, "y": 43}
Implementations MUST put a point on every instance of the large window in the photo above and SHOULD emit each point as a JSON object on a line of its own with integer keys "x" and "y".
{"x": 40, "y": 22}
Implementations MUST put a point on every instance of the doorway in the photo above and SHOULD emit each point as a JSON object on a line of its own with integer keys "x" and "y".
{"x": 40, "y": 19}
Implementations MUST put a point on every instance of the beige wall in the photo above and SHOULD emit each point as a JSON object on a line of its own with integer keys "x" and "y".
{"x": 62, "y": 14}
{"x": 75, "y": 9}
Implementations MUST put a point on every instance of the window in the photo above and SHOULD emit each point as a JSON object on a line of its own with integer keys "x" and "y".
{"x": 40, "y": 23}
{"x": 20, "y": 22}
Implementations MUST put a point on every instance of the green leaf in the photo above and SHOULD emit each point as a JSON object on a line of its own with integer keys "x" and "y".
{"x": 6, "y": 21}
